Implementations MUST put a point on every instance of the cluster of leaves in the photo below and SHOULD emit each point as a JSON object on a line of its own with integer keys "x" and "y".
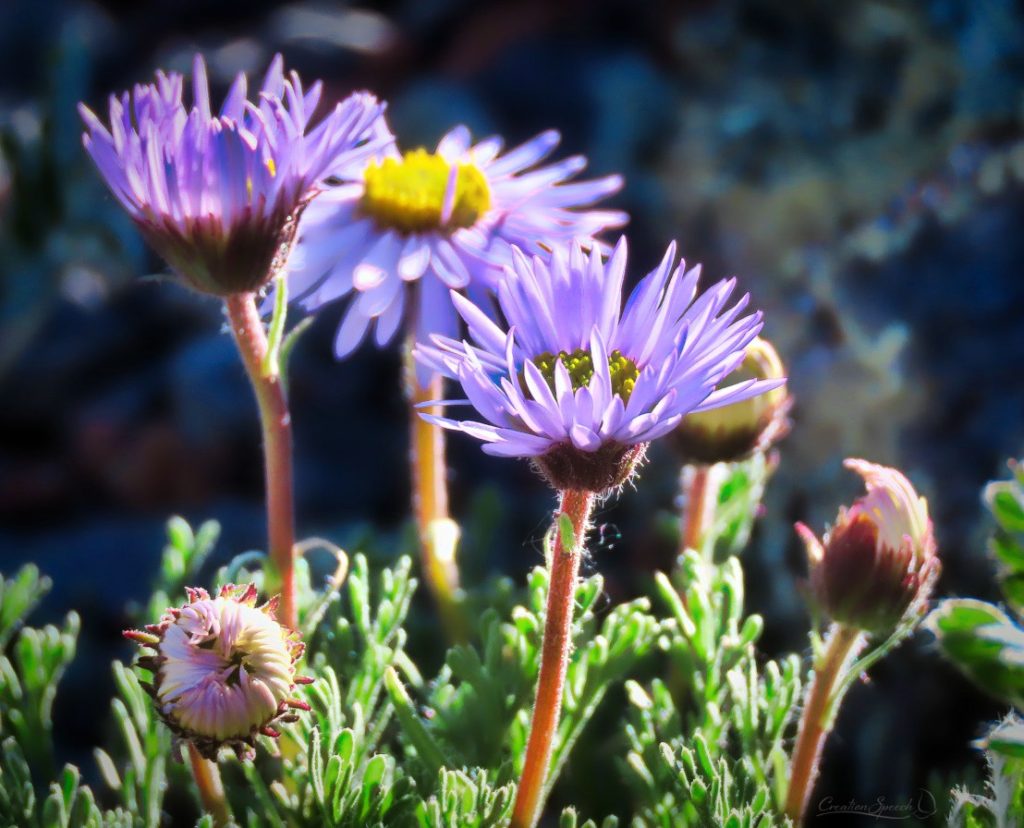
{"x": 706, "y": 747}
{"x": 981, "y": 639}
{"x": 479, "y": 704}
{"x": 987, "y": 644}
{"x": 32, "y": 662}
{"x": 1002, "y": 804}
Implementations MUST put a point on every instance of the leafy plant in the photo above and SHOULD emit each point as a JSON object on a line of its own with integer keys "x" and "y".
{"x": 1003, "y": 803}
{"x": 707, "y": 746}
{"x": 983, "y": 641}
{"x": 479, "y": 704}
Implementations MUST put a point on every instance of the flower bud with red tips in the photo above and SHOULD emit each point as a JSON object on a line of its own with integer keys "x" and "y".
{"x": 223, "y": 669}
{"x": 734, "y": 432}
{"x": 876, "y": 567}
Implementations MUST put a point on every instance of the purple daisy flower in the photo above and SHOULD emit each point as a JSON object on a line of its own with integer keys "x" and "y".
{"x": 579, "y": 383}
{"x": 218, "y": 195}
{"x": 445, "y": 220}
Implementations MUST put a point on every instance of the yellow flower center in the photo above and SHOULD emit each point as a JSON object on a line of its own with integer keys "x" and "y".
{"x": 418, "y": 193}
{"x": 580, "y": 366}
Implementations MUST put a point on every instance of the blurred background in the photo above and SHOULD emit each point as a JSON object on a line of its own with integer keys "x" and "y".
{"x": 860, "y": 167}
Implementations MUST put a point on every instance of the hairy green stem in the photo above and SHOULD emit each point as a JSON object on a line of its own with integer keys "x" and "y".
{"x": 563, "y": 571}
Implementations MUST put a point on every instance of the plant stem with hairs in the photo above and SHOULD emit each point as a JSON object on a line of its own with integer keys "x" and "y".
{"x": 563, "y": 570}
{"x": 696, "y": 513}
{"x": 211, "y": 789}
{"x": 260, "y": 355}
{"x": 820, "y": 705}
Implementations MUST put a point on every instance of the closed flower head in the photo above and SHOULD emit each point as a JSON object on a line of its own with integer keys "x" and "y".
{"x": 223, "y": 669}
{"x": 580, "y": 384}
{"x": 218, "y": 195}
{"x": 443, "y": 220}
{"x": 733, "y": 432}
{"x": 877, "y": 565}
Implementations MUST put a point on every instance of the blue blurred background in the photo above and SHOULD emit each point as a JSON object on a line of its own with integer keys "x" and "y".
{"x": 860, "y": 167}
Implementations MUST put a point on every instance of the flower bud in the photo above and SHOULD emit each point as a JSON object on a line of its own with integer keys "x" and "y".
{"x": 223, "y": 669}
{"x": 877, "y": 565}
{"x": 733, "y": 432}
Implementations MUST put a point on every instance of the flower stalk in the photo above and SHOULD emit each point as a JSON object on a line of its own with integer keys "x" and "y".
{"x": 438, "y": 534}
{"x": 697, "y": 510}
{"x": 820, "y": 706}
{"x": 564, "y": 567}
{"x": 262, "y": 365}
{"x": 211, "y": 789}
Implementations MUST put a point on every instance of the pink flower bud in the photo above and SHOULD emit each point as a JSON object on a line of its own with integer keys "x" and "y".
{"x": 877, "y": 565}
{"x": 223, "y": 669}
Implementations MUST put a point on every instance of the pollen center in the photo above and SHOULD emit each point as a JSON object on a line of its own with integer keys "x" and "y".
{"x": 424, "y": 192}
{"x": 580, "y": 365}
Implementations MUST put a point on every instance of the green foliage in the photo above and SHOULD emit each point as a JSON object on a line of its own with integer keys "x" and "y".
{"x": 29, "y": 676}
{"x": 570, "y": 819}
{"x": 183, "y": 556}
{"x": 1005, "y": 500}
{"x": 984, "y": 642}
{"x": 707, "y": 748}
{"x": 18, "y": 597}
{"x": 466, "y": 800}
{"x": 721, "y": 792}
{"x": 28, "y": 686}
{"x": 739, "y": 494}
{"x": 142, "y": 782}
{"x": 66, "y": 803}
{"x": 1003, "y": 802}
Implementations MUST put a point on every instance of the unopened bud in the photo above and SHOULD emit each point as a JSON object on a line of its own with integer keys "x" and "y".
{"x": 877, "y": 565}
{"x": 223, "y": 669}
{"x": 736, "y": 431}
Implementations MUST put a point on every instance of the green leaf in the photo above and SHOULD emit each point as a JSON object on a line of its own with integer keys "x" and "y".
{"x": 984, "y": 643}
{"x": 1006, "y": 738}
{"x": 426, "y": 748}
{"x": 1007, "y": 505}
{"x": 18, "y": 597}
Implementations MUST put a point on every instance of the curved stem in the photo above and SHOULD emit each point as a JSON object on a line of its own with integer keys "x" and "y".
{"x": 438, "y": 533}
{"x": 695, "y": 514}
{"x": 564, "y": 567}
{"x": 211, "y": 789}
{"x": 820, "y": 705}
{"x": 264, "y": 374}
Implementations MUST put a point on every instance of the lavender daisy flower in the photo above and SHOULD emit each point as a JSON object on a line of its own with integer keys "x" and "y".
{"x": 223, "y": 668}
{"x": 445, "y": 220}
{"x": 579, "y": 383}
{"x": 218, "y": 195}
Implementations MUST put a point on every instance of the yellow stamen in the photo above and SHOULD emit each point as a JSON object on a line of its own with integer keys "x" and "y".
{"x": 580, "y": 365}
{"x": 409, "y": 195}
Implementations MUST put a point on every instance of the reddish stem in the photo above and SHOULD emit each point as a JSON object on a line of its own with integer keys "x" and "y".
{"x": 276, "y": 422}
{"x": 696, "y": 510}
{"x": 564, "y": 567}
{"x": 211, "y": 789}
{"x": 818, "y": 715}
